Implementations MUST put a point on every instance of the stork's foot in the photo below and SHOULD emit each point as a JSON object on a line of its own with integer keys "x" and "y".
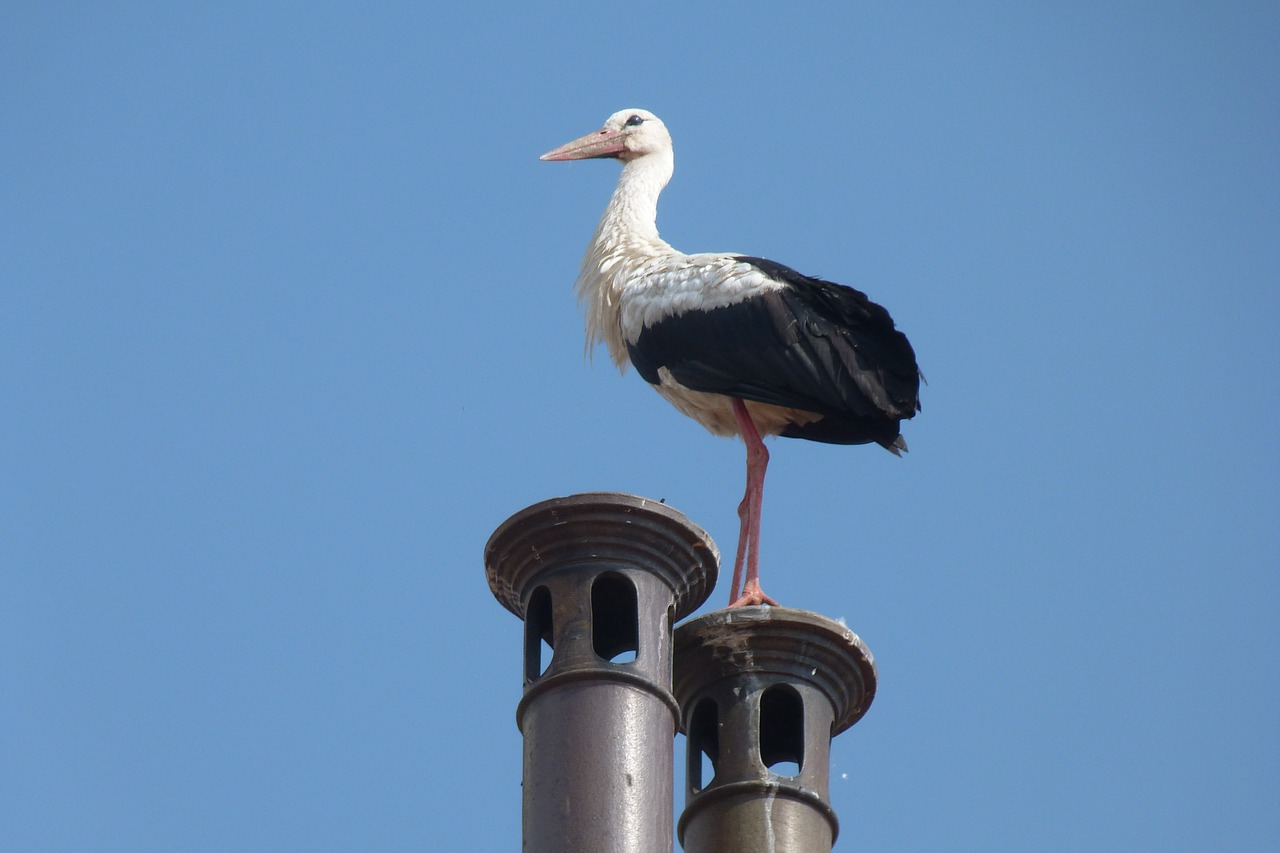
{"x": 753, "y": 595}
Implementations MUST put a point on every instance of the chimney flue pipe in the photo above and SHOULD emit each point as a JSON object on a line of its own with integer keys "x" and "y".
{"x": 762, "y": 692}
{"x": 599, "y": 579}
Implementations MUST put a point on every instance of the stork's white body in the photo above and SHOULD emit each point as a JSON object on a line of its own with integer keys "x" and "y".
{"x": 742, "y": 345}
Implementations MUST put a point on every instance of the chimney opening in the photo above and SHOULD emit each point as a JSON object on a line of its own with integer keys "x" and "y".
{"x": 703, "y": 744}
{"x": 615, "y": 620}
{"x": 782, "y": 730}
{"x": 539, "y": 634}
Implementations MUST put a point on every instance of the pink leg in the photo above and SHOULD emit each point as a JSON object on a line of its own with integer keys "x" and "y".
{"x": 744, "y": 517}
{"x": 749, "y": 515}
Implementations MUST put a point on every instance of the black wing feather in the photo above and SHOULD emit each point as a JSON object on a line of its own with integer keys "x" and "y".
{"x": 813, "y": 345}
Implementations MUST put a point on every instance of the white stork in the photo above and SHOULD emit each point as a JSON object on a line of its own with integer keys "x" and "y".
{"x": 742, "y": 345}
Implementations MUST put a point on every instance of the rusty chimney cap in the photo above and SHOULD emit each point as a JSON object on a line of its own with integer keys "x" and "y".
{"x": 797, "y": 645}
{"x": 607, "y": 528}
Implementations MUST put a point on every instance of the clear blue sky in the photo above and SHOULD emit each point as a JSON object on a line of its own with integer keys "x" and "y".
{"x": 286, "y": 330}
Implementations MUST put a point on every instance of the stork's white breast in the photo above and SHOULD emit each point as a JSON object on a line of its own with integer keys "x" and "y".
{"x": 658, "y": 288}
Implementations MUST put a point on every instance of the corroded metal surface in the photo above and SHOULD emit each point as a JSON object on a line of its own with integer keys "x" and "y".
{"x": 600, "y": 578}
{"x": 774, "y": 685}
{"x": 601, "y": 528}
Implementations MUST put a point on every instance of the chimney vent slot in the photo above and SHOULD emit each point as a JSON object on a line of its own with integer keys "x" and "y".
{"x": 539, "y": 634}
{"x": 703, "y": 744}
{"x": 615, "y": 622}
{"x": 782, "y": 730}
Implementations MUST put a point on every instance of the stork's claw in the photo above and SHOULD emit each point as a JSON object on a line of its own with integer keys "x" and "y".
{"x": 753, "y": 595}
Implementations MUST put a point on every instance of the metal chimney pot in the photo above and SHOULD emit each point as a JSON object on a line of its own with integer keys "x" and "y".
{"x": 600, "y": 578}
{"x": 763, "y": 690}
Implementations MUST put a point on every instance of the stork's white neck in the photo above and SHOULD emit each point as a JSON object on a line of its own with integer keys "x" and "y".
{"x": 631, "y": 218}
{"x": 626, "y": 237}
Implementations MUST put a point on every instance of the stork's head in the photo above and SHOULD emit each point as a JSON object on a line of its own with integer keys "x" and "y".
{"x": 626, "y": 135}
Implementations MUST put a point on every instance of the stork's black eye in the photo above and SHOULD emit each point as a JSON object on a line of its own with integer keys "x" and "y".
{"x": 635, "y": 121}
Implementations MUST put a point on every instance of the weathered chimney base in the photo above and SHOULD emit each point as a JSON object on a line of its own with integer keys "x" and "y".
{"x": 762, "y": 691}
{"x": 599, "y": 579}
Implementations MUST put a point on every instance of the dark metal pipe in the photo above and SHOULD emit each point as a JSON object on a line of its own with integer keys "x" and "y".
{"x": 762, "y": 691}
{"x": 599, "y": 579}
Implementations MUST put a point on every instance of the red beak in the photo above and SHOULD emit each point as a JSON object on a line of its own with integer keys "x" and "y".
{"x": 602, "y": 143}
